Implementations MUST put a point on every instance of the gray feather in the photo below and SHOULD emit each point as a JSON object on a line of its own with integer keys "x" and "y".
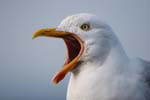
{"x": 146, "y": 71}
{"x": 146, "y": 76}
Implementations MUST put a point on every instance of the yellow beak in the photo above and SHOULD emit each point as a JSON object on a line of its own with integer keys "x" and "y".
{"x": 50, "y": 32}
{"x": 69, "y": 64}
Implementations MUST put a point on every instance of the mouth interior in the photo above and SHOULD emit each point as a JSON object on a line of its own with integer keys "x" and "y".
{"x": 73, "y": 48}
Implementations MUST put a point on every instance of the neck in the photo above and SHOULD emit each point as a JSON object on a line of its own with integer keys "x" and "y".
{"x": 114, "y": 59}
{"x": 88, "y": 75}
{"x": 117, "y": 57}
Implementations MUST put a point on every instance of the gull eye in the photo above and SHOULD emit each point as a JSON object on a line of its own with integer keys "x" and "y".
{"x": 85, "y": 27}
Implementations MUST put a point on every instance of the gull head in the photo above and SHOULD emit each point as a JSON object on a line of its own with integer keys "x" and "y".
{"x": 87, "y": 39}
{"x": 95, "y": 33}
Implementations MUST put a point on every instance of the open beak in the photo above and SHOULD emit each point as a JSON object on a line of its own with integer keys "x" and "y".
{"x": 75, "y": 47}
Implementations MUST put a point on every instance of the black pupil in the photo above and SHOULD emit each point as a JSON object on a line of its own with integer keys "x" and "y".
{"x": 85, "y": 27}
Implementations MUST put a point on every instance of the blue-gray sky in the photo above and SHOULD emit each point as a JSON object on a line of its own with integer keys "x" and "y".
{"x": 27, "y": 66}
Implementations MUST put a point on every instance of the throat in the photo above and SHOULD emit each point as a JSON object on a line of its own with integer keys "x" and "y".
{"x": 77, "y": 67}
{"x": 73, "y": 48}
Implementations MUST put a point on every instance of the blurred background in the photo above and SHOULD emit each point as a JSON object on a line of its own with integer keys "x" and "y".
{"x": 27, "y": 66}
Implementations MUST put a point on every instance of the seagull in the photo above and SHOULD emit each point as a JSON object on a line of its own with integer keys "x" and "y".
{"x": 100, "y": 68}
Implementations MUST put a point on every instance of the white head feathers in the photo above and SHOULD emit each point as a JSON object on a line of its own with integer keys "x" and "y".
{"x": 98, "y": 39}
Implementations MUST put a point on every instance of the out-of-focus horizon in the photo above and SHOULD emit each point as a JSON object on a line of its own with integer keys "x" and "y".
{"x": 26, "y": 66}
